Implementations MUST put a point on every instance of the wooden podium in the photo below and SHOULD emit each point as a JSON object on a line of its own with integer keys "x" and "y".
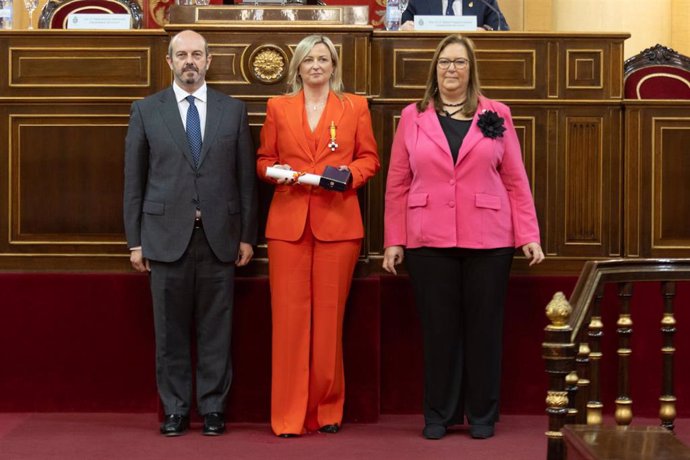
{"x": 66, "y": 97}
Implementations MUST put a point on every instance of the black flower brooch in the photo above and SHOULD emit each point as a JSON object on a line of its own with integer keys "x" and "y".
{"x": 491, "y": 124}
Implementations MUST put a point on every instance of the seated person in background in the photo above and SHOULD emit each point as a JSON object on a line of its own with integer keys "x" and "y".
{"x": 489, "y": 16}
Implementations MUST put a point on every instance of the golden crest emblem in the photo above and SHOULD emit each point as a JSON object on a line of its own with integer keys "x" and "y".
{"x": 268, "y": 63}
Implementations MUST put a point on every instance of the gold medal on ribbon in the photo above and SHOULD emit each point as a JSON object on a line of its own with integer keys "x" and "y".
{"x": 332, "y": 145}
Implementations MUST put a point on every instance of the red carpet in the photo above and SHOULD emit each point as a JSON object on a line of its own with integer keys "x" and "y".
{"x": 134, "y": 436}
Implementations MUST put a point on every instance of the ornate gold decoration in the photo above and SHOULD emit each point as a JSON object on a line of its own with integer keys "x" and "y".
{"x": 596, "y": 323}
{"x": 667, "y": 408}
{"x": 556, "y": 398}
{"x": 668, "y": 320}
{"x": 584, "y": 349}
{"x": 554, "y": 434}
{"x": 624, "y": 321}
{"x": 558, "y": 311}
{"x": 623, "y": 413}
{"x": 332, "y": 130}
{"x": 158, "y": 9}
{"x": 380, "y": 10}
{"x": 267, "y": 63}
{"x": 572, "y": 378}
{"x": 594, "y": 410}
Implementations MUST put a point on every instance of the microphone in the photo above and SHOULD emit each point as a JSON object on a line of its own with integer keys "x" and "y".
{"x": 495, "y": 10}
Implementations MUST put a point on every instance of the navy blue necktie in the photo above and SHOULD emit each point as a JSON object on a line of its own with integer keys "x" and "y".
{"x": 449, "y": 8}
{"x": 194, "y": 131}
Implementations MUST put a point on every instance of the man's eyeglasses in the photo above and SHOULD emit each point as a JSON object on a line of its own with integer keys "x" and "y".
{"x": 461, "y": 63}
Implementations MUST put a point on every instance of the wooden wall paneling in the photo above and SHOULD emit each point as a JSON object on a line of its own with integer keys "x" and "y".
{"x": 588, "y": 182}
{"x": 531, "y": 127}
{"x": 385, "y": 118}
{"x": 592, "y": 69}
{"x": 563, "y": 90}
{"x": 254, "y": 68}
{"x": 400, "y": 65}
{"x": 670, "y": 173}
{"x": 254, "y": 64}
{"x": 632, "y": 183}
{"x": 656, "y": 169}
{"x": 512, "y": 69}
{"x": 52, "y": 65}
{"x": 62, "y": 183}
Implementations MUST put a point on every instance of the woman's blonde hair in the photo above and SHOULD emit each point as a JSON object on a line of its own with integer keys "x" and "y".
{"x": 304, "y": 47}
{"x": 432, "y": 94}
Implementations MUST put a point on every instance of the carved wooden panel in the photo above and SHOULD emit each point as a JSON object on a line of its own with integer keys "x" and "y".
{"x": 584, "y": 69}
{"x": 62, "y": 183}
{"x": 254, "y": 64}
{"x": 670, "y": 173}
{"x": 113, "y": 64}
{"x": 537, "y": 66}
{"x": 657, "y": 168}
{"x": 66, "y": 96}
{"x": 583, "y": 158}
{"x": 591, "y": 69}
{"x": 584, "y": 175}
{"x": 227, "y": 64}
{"x": 80, "y": 67}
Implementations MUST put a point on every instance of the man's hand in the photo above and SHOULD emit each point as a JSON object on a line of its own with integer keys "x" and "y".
{"x": 407, "y": 25}
{"x": 138, "y": 262}
{"x": 244, "y": 255}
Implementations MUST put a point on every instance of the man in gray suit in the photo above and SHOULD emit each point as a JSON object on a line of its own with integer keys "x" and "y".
{"x": 190, "y": 218}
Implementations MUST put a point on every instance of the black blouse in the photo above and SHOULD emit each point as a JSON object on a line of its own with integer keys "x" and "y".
{"x": 455, "y": 131}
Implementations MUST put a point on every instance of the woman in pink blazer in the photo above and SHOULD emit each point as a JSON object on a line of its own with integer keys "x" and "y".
{"x": 458, "y": 203}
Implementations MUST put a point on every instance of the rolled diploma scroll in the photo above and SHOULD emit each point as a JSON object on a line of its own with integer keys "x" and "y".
{"x": 299, "y": 177}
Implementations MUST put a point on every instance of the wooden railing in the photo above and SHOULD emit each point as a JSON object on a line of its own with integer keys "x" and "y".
{"x": 572, "y": 347}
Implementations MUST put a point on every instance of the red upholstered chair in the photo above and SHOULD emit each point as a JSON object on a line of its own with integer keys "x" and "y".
{"x": 657, "y": 73}
{"x": 55, "y": 12}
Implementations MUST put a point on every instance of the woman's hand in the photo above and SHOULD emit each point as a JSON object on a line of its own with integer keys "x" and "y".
{"x": 533, "y": 251}
{"x": 392, "y": 256}
{"x": 288, "y": 181}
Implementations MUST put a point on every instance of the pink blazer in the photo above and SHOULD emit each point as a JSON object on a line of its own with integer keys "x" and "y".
{"x": 482, "y": 201}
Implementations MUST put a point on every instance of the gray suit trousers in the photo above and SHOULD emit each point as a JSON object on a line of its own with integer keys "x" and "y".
{"x": 196, "y": 290}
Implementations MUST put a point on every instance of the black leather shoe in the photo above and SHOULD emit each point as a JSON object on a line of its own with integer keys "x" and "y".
{"x": 174, "y": 425}
{"x": 214, "y": 424}
{"x": 434, "y": 431}
{"x": 332, "y": 429}
{"x": 287, "y": 435}
{"x": 481, "y": 431}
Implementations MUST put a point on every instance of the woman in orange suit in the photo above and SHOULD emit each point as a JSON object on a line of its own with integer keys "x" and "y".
{"x": 314, "y": 235}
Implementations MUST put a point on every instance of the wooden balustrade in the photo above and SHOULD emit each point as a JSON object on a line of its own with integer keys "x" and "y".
{"x": 575, "y": 378}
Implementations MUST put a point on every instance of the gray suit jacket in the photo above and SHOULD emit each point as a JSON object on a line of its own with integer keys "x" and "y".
{"x": 163, "y": 189}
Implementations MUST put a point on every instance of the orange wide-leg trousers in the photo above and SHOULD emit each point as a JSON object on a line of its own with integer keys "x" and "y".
{"x": 310, "y": 281}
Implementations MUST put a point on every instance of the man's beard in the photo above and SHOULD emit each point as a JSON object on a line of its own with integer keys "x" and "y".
{"x": 189, "y": 79}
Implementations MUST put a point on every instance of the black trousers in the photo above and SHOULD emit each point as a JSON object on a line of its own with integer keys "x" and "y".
{"x": 194, "y": 293}
{"x": 460, "y": 296}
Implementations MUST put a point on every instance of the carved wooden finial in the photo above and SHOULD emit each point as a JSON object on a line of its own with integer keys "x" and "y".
{"x": 558, "y": 311}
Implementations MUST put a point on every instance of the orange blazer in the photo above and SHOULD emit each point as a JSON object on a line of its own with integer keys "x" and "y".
{"x": 332, "y": 216}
